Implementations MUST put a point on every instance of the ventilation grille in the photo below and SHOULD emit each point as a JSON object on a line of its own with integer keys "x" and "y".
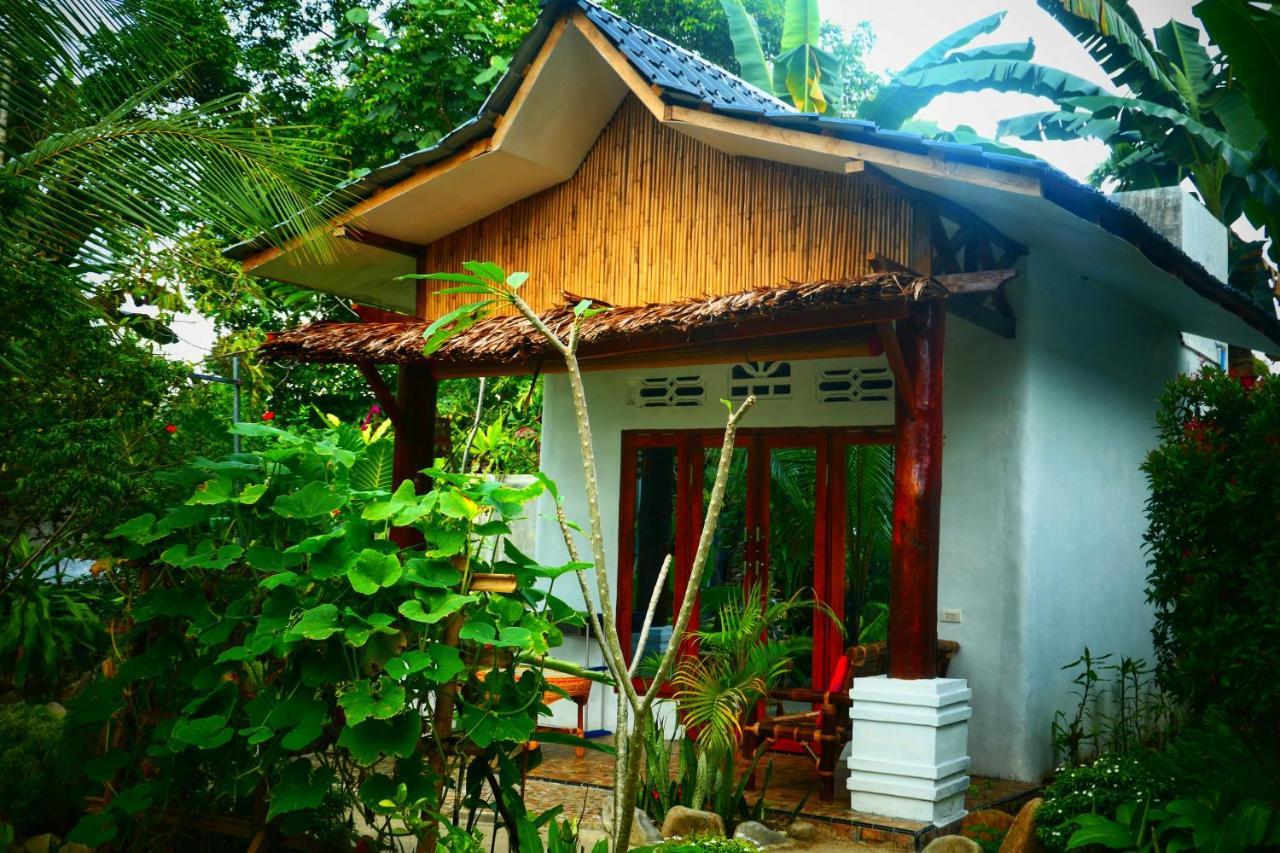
{"x": 764, "y": 379}
{"x": 855, "y": 385}
{"x": 664, "y": 392}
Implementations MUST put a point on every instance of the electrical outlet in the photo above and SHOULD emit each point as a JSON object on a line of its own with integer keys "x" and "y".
{"x": 952, "y": 616}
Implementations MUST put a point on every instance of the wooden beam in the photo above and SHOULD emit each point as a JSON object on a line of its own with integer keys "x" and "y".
{"x": 621, "y": 66}
{"x": 879, "y": 263}
{"x": 975, "y": 282}
{"x": 917, "y": 499}
{"x": 381, "y": 393}
{"x": 530, "y": 76}
{"x": 873, "y": 154}
{"x": 379, "y": 241}
{"x": 855, "y": 167}
{"x": 828, "y": 344}
{"x": 898, "y": 364}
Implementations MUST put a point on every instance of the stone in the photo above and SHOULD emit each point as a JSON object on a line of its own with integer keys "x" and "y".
{"x": 987, "y": 826}
{"x": 802, "y": 830}
{"x": 643, "y": 830}
{"x": 760, "y": 835}
{"x": 56, "y": 709}
{"x": 1021, "y": 837}
{"x": 683, "y": 822}
{"x": 952, "y": 844}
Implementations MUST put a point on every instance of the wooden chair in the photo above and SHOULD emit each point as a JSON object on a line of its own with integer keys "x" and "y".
{"x": 824, "y": 731}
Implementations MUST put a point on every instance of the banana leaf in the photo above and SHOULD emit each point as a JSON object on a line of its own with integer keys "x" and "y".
{"x": 907, "y": 94}
{"x": 938, "y": 51}
{"x": 1113, "y": 35}
{"x": 745, "y": 36}
{"x": 808, "y": 75}
{"x": 801, "y": 25}
{"x": 1181, "y": 44}
{"x": 1057, "y": 126}
{"x": 1150, "y": 117}
{"x": 1248, "y": 35}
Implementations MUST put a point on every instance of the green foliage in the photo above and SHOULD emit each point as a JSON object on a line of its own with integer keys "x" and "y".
{"x": 1213, "y": 545}
{"x": 39, "y": 771}
{"x": 289, "y": 646}
{"x": 1118, "y": 710}
{"x": 1096, "y": 789}
{"x": 1210, "y": 822}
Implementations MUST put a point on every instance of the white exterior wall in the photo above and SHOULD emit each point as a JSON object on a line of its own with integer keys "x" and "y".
{"x": 1042, "y": 499}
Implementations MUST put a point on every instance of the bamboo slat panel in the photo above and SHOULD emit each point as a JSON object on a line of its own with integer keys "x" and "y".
{"x": 653, "y": 215}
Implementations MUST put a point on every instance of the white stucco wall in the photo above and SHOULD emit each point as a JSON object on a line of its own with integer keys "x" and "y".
{"x": 1041, "y": 539}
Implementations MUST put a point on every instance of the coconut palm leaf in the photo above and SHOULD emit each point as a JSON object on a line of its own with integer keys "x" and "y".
{"x": 746, "y": 46}
{"x": 1113, "y": 35}
{"x": 99, "y": 168}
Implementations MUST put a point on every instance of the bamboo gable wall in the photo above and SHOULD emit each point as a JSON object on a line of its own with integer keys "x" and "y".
{"x": 653, "y": 215}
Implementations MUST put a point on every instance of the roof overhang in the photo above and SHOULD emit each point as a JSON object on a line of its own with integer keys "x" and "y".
{"x": 571, "y": 76}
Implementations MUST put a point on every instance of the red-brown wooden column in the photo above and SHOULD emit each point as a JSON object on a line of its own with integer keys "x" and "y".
{"x": 917, "y": 492}
{"x": 416, "y": 390}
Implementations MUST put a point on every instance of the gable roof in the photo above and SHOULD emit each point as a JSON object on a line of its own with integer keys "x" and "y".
{"x": 1028, "y": 199}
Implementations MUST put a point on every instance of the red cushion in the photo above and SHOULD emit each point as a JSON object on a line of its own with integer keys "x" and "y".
{"x": 839, "y": 677}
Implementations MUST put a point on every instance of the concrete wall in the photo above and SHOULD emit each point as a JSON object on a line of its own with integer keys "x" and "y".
{"x": 1041, "y": 540}
{"x": 1096, "y": 366}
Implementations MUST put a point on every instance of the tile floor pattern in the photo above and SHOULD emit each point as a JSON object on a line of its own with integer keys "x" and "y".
{"x": 581, "y": 785}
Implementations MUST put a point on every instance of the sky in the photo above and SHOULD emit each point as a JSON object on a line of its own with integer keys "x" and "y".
{"x": 902, "y": 29}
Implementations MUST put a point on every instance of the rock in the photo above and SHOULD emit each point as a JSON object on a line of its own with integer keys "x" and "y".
{"x": 643, "y": 831}
{"x": 683, "y": 822}
{"x": 56, "y": 709}
{"x": 987, "y": 826}
{"x": 760, "y": 835}
{"x": 952, "y": 844}
{"x": 802, "y": 830}
{"x": 1022, "y": 834}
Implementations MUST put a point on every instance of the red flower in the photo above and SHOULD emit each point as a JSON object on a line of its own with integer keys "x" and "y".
{"x": 268, "y": 416}
{"x": 170, "y": 428}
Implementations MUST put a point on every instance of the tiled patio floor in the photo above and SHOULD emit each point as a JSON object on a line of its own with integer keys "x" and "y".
{"x": 580, "y": 785}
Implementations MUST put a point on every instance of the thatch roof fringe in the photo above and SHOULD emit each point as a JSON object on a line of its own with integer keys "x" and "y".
{"x": 512, "y": 339}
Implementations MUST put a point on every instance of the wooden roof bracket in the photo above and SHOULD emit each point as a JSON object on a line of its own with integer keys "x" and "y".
{"x": 898, "y": 364}
{"x": 381, "y": 392}
{"x": 379, "y": 241}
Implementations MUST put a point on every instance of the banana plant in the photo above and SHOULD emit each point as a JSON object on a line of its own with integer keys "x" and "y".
{"x": 952, "y": 65}
{"x": 1183, "y": 113}
{"x": 802, "y": 72}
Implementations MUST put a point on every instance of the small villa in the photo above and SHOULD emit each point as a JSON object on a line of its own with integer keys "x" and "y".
{"x": 974, "y": 334}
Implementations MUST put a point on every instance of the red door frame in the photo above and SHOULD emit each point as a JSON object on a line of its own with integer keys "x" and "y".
{"x": 829, "y": 513}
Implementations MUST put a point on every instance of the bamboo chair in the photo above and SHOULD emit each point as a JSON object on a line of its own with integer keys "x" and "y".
{"x": 824, "y": 731}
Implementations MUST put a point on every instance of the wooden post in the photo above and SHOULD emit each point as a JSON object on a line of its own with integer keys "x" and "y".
{"x": 415, "y": 434}
{"x": 917, "y": 492}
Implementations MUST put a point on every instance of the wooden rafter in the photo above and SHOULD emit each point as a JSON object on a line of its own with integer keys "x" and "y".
{"x": 379, "y": 241}
{"x": 898, "y": 364}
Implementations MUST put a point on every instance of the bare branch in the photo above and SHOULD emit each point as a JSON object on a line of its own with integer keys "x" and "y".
{"x": 648, "y": 616}
{"x": 700, "y": 556}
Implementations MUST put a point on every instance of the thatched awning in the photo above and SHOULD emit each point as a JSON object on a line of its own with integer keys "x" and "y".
{"x": 511, "y": 340}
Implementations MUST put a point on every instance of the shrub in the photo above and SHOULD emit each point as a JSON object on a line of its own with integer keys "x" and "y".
{"x": 1214, "y": 544}
{"x": 1100, "y": 788}
{"x": 702, "y": 844}
{"x": 38, "y": 777}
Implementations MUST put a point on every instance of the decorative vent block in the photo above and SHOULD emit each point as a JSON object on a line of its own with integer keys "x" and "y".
{"x": 662, "y": 392}
{"x": 765, "y": 379}
{"x": 855, "y": 385}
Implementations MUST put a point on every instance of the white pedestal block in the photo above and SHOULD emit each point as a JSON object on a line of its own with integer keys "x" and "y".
{"x": 909, "y": 755}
